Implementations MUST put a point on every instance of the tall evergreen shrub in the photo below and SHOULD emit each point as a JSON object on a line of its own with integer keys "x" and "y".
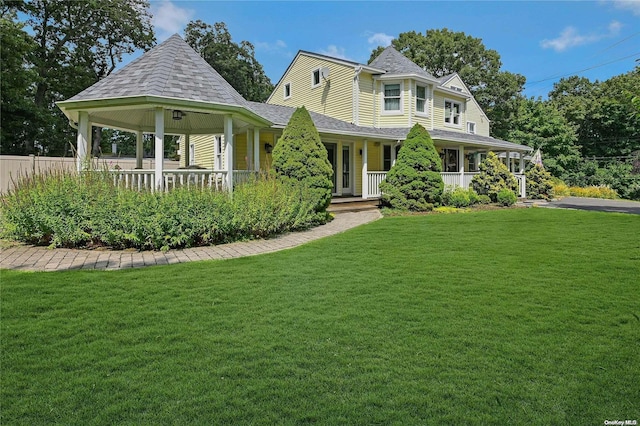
{"x": 493, "y": 177}
{"x": 299, "y": 157}
{"x": 414, "y": 182}
{"x": 539, "y": 183}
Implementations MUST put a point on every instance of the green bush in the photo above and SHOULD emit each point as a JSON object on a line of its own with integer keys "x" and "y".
{"x": 299, "y": 157}
{"x": 484, "y": 199}
{"x": 539, "y": 183}
{"x": 414, "y": 182}
{"x": 506, "y": 197}
{"x": 459, "y": 197}
{"x": 63, "y": 209}
{"x": 493, "y": 177}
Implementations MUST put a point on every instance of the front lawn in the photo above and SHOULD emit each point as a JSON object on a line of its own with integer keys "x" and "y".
{"x": 523, "y": 316}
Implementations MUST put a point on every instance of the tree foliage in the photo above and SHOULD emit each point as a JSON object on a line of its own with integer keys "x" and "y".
{"x": 73, "y": 45}
{"x": 414, "y": 182}
{"x": 493, "y": 177}
{"x": 299, "y": 157}
{"x": 443, "y": 52}
{"x": 539, "y": 125}
{"x": 606, "y": 117}
{"x": 236, "y": 63}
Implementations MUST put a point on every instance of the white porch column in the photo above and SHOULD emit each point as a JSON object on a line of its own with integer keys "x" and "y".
{"x": 339, "y": 169}
{"x": 461, "y": 165}
{"x": 393, "y": 153}
{"x": 256, "y": 149}
{"x": 82, "y": 159}
{"x": 186, "y": 150}
{"x": 139, "y": 149}
{"x": 509, "y": 161}
{"x": 365, "y": 166}
{"x": 521, "y": 162}
{"x": 228, "y": 152}
{"x": 159, "y": 139}
{"x": 249, "y": 143}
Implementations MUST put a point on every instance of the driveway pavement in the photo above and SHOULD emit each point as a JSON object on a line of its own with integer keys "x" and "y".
{"x": 30, "y": 258}
{"x": 596, "y": 204}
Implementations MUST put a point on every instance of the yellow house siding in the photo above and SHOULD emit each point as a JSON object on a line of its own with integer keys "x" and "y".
{"x": 365, "y": 99}
{"x": 240, "y": 160}
{"x": 400, "y": 119}
{"x": 438, "y": 113}
{"x": 204, "y": 150}
{"x": 474, "y": 113}
{"x": 332, "y": 97}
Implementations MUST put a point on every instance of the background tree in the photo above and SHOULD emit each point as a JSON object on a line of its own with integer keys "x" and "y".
{"x": 299, "y": 157}
{"x": 443, "y": 52}
{"x": 236, "y": 63}
{"x": 76, "y": 43}
{"x": 17, "y": 109}
{"x": 414, "y": 182}
{"x": 539, "y": 125}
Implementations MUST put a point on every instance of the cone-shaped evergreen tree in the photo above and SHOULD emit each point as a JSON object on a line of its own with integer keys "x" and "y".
{"x": 300, "y": 157}
{"x": 493, "y": 177}
{"x": 414, "y": 182}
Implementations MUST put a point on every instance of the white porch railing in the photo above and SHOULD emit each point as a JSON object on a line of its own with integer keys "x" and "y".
{"x": 145, "y": 179}
{"x": 374, "y": 179}
{"x": 451, "y": 179}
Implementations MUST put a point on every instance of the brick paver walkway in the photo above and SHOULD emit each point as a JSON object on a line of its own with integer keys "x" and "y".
{"x": 29, "y": 258}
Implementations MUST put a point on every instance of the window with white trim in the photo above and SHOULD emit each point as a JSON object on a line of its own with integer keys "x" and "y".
{"x": 452, "y": 112}
{"x": 421, "y": 99}
{"x": 392, "y": 97}
{"x": 287, "y": 90}
{"x": 315, "y": 78}
{"x": 471, "y": 127}
{"x": 218, "y": 152}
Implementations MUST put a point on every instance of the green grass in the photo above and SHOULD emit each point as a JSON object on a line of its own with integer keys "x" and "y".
{"x": 526, "y": 316}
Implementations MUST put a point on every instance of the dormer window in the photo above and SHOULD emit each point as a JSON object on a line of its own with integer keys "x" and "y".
{"x": 315, "y": 78}
{"x": 287, "y": 90}
{"x": 392, "y": 97}
{"x": 421, "y": 99}
{"x": 452, "y": 111}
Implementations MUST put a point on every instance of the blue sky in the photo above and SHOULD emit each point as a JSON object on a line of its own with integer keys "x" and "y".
{"x": 542, "y": 40}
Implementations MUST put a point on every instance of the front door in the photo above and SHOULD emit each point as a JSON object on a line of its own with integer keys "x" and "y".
{"x": 331, "y": 155}
{"x": 346, "y": 170}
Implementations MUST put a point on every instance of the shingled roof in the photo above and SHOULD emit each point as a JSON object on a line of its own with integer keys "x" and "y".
{"x": 172, "y": 69}
{"x": 395, "y": 62}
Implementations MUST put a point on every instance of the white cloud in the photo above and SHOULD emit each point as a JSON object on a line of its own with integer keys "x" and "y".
{"x": 335, "y": 52}
{"x": 168, "y": 18}
{"x": 570, "y": 37}
{"x": 632, "y": 5}
{"x": 381, "y": 39}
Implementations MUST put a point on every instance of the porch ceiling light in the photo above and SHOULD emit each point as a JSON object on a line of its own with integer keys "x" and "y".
{"x": 177, "y": 114}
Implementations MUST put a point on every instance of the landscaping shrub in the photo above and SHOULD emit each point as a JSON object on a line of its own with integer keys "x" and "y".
{"x": 459, "y": 197}
{"x": 299, "y": 157}
{"x": 493, "y": 177}
{"x": 506, "y": 197}
{"x": 64, "y": 209}
{"x": 414, "y": 182}
{"x": 539, "y": 183}
{"x": 484, "y": 199}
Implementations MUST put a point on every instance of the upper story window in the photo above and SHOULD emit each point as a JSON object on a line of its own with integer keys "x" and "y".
{"x": 392, "y": 97}
{"x": 287, "y": 90}
{"x": 471, "y": 127}
{"x": 421, "y": 99}
{"x": 457, "y": 89}
{"x": 315, "y": 78}
{"x": 452, "y": 111}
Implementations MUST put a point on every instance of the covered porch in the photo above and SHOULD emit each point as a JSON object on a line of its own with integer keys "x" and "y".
{"x": 459, "y": 164}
